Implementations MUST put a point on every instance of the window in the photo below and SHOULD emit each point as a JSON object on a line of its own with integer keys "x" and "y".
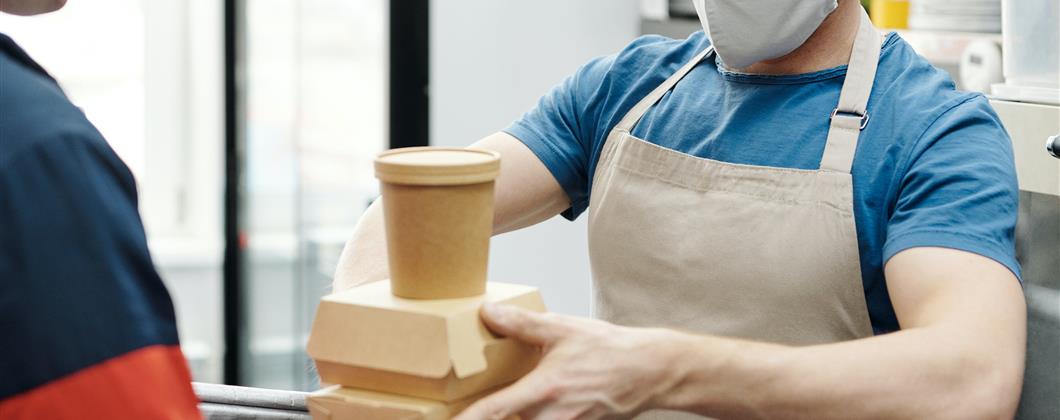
{"x": 315, "y": 118}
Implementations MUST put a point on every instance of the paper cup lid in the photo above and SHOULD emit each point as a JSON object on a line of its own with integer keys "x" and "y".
{"x": 437, "y": 166}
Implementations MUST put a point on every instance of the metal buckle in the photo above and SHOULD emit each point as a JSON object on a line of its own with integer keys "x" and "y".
{"x": 864, "y": 117}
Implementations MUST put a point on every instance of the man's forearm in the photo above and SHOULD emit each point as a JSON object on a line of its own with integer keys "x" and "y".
{"x": 364, "y": 259}
{"x": 934, "y": 372}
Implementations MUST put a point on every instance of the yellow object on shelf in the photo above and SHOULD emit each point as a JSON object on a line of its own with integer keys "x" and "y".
{"x": 890, "y": 14}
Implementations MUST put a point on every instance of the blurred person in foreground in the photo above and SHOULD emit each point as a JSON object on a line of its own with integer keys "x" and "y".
{"x": 88, "y": 328}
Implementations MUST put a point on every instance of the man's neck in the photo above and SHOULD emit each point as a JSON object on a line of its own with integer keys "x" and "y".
{"x": 828, "y": 47}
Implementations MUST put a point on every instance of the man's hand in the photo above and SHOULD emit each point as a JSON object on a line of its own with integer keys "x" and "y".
{"x": 590, "y": 369}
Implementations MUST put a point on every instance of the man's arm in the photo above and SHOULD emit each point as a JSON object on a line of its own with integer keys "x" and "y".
{"x": 525, "y": 194}
{"x": 959, "y": 355}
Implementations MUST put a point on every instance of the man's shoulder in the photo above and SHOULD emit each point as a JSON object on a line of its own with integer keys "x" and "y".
{"x": 912, "y": 86}
{"x": 646, "y": 60}
{"x": 656, "y": 55}
{"x": 36, "y": 112}
{"x": 42, "y": 133}
{"x": 658, "y": 48}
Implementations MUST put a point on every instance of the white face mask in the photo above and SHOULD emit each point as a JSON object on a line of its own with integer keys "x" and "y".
{"x": 745, "y": 32}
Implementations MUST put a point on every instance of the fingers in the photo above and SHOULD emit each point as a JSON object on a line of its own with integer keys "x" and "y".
{"x": 529, "y": 392}
{"x": 528, "y": 326}
{"x": 504, "y": 403}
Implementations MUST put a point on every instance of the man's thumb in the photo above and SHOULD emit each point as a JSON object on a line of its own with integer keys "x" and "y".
{"x": 521, "y": 324}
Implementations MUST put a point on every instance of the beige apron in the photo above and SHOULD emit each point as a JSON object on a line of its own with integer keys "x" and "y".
{"x": 735, "y": 250}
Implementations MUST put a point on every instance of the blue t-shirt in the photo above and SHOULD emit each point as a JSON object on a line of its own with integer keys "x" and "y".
{"x": 933, "y": 168}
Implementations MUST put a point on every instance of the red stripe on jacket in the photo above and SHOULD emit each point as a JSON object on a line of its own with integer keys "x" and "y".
{"x": 149, "y": 383}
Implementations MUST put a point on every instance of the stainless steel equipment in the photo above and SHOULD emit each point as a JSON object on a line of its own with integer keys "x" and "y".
{"x": 225, "y": 402}
{"x": 1038, "y": 248}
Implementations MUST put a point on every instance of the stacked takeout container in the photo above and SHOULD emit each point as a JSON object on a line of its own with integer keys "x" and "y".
{"x": 414, "y": 347}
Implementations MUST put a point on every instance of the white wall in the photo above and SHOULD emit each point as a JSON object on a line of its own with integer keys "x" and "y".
{"x": 490, "y": 62}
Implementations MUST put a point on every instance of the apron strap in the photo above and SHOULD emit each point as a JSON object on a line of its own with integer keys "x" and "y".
{"x": 851, "y": 116}
{"x": 848, "y": 119}
{"x": 638, "y": 111}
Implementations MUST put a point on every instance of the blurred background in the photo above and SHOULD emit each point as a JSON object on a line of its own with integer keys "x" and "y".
{"x": 251, "y": 125}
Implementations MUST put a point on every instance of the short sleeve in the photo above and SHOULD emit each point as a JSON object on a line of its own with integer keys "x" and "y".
{"x": 562, "y": 128}
{"x": 959, "y": 189}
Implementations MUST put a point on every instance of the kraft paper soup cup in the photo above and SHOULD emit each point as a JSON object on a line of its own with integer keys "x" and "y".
{"x": 438, "y": 207}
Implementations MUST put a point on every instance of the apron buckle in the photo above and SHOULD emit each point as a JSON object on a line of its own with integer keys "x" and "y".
{"x": 849, "y": 114}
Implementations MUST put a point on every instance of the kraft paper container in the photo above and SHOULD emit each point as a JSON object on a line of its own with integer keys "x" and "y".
{"x": 338, "y": 403}
{"x": 366, "y": 338}
{"x": 438, "y": 207}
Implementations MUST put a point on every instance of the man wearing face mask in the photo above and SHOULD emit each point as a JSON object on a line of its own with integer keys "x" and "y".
{"x": 790, "y": 215}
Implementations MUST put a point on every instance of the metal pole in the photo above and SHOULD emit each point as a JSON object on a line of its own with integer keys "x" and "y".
{"x": 409, "y": 73}
{"x": 232, "y": 288}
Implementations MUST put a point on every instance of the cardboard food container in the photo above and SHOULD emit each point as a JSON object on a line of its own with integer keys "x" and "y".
{"x": 338, "y": 403}
{"x": 438, "y": 211}
{"x": 369, "y": 339}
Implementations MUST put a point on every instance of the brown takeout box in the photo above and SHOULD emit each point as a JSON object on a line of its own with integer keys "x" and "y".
{"x": 338, "y": 403}
{"x": 369, "y": 339}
